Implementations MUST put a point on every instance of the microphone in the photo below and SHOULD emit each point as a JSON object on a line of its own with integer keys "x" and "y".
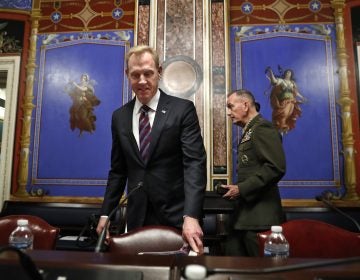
{"x": 26, "y": 262}
{"x": 324, "y": 198}
{"x": 102, "y": 236}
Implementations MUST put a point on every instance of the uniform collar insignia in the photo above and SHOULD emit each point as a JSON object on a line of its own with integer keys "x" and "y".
{"x": 247, "y": 136}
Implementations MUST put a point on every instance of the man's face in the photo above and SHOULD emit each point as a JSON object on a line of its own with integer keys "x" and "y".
{"x": 237, "y": 109}
{"x": 143, "y": 76}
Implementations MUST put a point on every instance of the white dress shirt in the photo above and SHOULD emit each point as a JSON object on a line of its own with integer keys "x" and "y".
{"x": 136, "y": 114}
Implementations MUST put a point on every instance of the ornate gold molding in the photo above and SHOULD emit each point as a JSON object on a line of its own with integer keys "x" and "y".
{"x": 28, "y": 107}
{"x": 345, "y": 103}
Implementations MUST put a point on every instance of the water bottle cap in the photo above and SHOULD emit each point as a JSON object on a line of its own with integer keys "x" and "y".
{"x": 195, "y": 272}
{"x": 276, "y": 228}
{"x": 22, "y": 222}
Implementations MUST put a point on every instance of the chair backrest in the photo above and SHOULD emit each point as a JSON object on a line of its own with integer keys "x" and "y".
{"x": 45, "y": 235}
{"x": 147, "y": 239}
{"x": 316, "y": 239}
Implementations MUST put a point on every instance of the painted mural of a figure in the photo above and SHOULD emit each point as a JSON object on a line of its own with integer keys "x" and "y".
{"x": 285, "y": 99}
{"x": 84, "y": 100}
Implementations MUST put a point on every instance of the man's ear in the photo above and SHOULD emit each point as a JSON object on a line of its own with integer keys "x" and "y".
{"x": 160, "y": 70}
{"x": 127, "y": 72}
{"x": 246, "y": 106}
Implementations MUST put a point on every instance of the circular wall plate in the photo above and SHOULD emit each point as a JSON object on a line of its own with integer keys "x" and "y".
{"x": 181, "y": 76}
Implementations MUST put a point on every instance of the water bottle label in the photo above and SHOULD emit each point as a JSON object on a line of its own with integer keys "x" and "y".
{"x": 283, "y": 254}
{"x": 21, "y": 245}
{"x": 268, "y": 253}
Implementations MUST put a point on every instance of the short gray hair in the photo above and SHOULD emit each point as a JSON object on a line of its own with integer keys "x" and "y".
{"x": 247, "y": 94}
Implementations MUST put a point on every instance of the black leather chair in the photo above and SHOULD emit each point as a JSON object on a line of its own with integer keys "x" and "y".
{"x": 147, "y": 239}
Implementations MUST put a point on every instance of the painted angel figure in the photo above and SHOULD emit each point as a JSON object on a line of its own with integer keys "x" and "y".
{"x": 84, "y": 100}
{"x": 285, "y": 99}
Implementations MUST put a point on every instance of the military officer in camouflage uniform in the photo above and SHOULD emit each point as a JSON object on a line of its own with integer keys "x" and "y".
{"x": 261, "y": 164}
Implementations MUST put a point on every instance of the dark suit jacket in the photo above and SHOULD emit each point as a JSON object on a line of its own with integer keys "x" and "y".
{"x": 261, "y": 164}
{"x": 174, "y": 178}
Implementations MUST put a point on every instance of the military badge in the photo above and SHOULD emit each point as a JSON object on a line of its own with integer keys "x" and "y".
{"x": 247, "y": 136}
{"x": 244, "y": 159}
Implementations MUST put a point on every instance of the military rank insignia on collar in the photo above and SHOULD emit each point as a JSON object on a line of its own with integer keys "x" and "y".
{"x": 247, "y": 136}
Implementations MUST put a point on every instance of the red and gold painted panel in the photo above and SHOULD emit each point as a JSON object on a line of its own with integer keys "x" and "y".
{"x": 86, "y": 15}
{"x": 279, "y": 11}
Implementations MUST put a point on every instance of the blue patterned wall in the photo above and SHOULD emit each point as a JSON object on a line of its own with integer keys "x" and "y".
{"x": 312, "y": 148}
{"x": 71, "y": 137}
{"x": 18, "y": 4}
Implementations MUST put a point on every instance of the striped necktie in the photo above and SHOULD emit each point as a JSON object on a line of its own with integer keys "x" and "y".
{"x": 144, "y": 132}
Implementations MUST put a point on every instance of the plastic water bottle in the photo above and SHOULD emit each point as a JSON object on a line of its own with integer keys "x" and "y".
{"x": 276, "y": 245}
{"x": 22, "y": 237}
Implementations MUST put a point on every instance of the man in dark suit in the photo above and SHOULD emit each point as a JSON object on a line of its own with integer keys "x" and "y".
{"x": 172, "y": 168}
{"x": 261, "y": 164}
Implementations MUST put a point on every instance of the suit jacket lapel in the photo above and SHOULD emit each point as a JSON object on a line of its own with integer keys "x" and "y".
{"x": 162, "y": 113}
{"x": 129, "y": 130}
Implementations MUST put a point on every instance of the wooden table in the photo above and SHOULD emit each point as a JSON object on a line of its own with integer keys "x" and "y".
{"x": 171, "y": 267}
